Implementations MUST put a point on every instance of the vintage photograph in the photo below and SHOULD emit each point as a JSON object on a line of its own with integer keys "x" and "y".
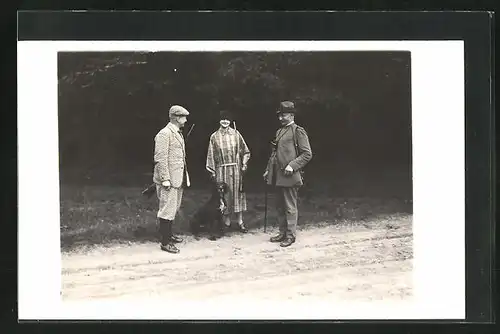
{"x": 190, "y": 175}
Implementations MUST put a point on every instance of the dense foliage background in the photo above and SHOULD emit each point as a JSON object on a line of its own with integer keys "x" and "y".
{"x": 355, "y": 106}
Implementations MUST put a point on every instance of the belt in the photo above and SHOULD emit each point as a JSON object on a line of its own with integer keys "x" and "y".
{"x": 228, "y": 164}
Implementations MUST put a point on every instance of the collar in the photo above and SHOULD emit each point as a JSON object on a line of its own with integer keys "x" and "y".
{"x": 174, "y": 127}
{"x": 225, "y": 130}
{"x": 285, "y": 126}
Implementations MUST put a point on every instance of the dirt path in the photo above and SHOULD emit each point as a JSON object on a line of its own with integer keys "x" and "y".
{"x": 349, "y": 263}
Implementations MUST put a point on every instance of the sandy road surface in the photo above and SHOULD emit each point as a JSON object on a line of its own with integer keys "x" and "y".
{"x": 346, "y": 263}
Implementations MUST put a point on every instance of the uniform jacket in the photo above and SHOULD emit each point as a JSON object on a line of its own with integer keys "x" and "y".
{"x": 285, "y": 152}
{"x": 170, "y": 157}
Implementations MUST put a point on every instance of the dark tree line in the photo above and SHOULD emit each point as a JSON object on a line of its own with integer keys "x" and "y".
{"x": 354, "y": 105}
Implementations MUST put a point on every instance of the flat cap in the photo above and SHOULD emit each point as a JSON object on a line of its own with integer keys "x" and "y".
{"x": 177, "y": 110}
{"x": 286, "y": 107}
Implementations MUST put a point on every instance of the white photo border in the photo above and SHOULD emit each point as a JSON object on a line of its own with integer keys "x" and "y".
{"x": 438, "y": 138}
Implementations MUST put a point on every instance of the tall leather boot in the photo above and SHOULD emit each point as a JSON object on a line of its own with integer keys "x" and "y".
{"x": 163, "y": 231}
{"x": 173, "y": 237}
{"x": 166, "y": 234}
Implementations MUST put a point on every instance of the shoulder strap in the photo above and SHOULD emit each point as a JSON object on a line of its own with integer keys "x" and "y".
{"x": 281, "y": 133}
{"x": 296, "y": 144}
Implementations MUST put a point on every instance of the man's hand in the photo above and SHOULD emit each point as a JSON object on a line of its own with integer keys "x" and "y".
{"x": 166, "y": 184}
{"x": 243, "y": 168}
{"x": 265, "y": 175}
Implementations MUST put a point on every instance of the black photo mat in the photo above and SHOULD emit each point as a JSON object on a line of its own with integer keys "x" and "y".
{"x": 474, "y": 28}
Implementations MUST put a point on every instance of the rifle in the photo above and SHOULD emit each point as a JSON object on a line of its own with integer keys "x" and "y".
{"x": 150, "y": 190}
{"x": 296, "y": 144}
{"x": 238, "y": 158}
{"x": 265, "y": 208}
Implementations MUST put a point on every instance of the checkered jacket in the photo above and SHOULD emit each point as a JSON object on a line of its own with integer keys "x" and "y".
{"x": 170, "y": 157}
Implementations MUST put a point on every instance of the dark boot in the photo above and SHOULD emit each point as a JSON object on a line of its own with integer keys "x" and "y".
{"x": 163, "y": 231}
{"x": 170, "y": 248}
{"x": 290, "y": 239}
{"x": 242, "y": 228}
{"x": 166, "y": 244}
{"x": 278, "y": 238}
{"x": 173, "y": 237}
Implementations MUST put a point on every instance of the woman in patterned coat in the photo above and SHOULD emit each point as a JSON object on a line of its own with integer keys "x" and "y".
{"x": 227, "y": 161}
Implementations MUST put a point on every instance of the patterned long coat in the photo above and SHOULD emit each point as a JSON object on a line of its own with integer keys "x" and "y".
{"x": 227, "y": 153}
{"x": 170, "y": 157}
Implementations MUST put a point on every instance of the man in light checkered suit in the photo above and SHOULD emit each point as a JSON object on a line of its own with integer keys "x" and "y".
{"x": 170, "y": 174}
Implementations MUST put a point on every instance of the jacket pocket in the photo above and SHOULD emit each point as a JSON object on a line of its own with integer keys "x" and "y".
{"x": 176, "y": 166}
{"x": 296, "y": 178}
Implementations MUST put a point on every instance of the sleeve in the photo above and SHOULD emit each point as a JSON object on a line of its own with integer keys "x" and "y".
{"x": 210, "y": 164}
{"x": 244, "y": 150}
{"x": 268, "y": 166}
{"x": 162, "y": 143}
{"x": 269, "y": 161}
{"x": 304, "y": 149}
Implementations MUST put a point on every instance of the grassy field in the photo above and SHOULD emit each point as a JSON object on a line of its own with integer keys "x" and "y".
{"x": 101, "y": 215}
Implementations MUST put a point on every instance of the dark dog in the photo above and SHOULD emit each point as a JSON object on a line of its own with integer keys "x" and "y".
{"x": 210, "y": 215}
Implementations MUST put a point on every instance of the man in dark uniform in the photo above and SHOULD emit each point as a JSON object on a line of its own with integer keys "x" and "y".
{"x": 291, "y": 152}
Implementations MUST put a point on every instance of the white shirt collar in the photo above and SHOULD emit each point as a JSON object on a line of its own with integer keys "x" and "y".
{"x": 290, "y": 123}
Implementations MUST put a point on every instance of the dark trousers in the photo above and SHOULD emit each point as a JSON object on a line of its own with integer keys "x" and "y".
{"x": 286, "y": 206}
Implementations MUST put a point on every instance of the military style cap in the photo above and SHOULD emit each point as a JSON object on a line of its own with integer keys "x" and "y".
{"x": 177, "y": 110}
{"x": 286, "y": 107}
